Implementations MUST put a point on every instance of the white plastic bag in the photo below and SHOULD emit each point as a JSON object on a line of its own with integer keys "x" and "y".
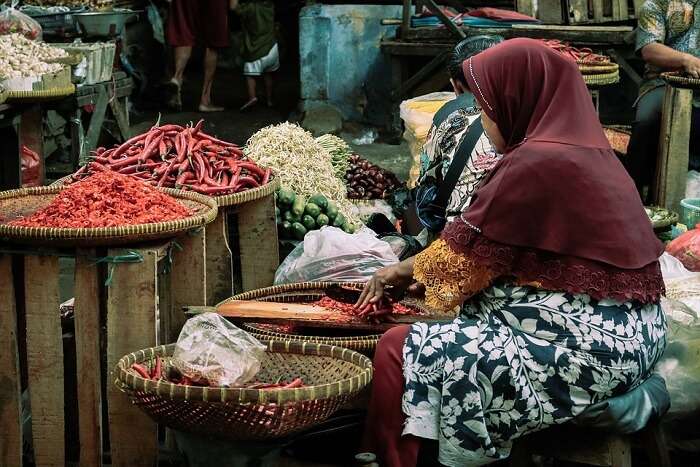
{"x": 213, "y": 351}
{"x": 330, "y": 254}
{"x": 14, "y": 21}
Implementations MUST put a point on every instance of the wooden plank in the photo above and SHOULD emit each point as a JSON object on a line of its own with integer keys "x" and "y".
{"x": 132, "y": 305}
{"x": 578, "y": 12}
{"x": 598, "y": 10}
{"x": 438, "y": 82}
{"x": 452, "y": 27}
{"x": 31, "y": 135}
{"x": 219, "y": 274}
{"x": 10, "y": 162}
{"x": 421, "y": 49}
{"x": 10, "y": 388}
{"x": 259, "y": 247}
{"x": 89, "y": 359}
{"x": 526, "y": 7}
{"x": 625, "y": 66}
{"x": 121, "y": 115}
{"x": 674, "y": 146}
{"x": 45, "y": 359}
{"x": 96, "y": 120}
{"x": 189, "y": 284}
{"x": 406, "y": 16}
{"x": 434, "y": 64}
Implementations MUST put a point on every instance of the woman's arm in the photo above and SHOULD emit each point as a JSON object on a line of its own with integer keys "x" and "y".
{"x": 399, "y": 276}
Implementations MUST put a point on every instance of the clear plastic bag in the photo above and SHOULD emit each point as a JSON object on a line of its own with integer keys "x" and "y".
{"x": 680, "y": 364}
{"x": 330, "y": 254}
{"x": 213, "y": 351}
{"x": 14, "y": 21}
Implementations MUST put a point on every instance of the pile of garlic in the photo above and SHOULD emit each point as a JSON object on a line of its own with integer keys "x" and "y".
{"x": 21, "y": 57}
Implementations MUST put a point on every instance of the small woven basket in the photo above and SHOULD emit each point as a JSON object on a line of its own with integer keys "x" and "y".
{"x": 680, "y": 81}
{"x": 306, "y": 292}
{"x": 334, "y": 376}
{"x": 602, "y": 79}
{"x": 25, "y": 201}
{"x": 43, "y": 95}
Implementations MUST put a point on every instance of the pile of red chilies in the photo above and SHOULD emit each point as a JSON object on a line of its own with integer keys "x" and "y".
{"x": 372, "y": 312}
{"x": 157, "y": 373}
{"x": 584, "y": 55}
{"x": 173, "y": 156}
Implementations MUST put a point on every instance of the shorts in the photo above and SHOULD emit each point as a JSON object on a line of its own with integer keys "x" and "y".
{"x": 193, "y": 22}
{"x": 268, "y": 64}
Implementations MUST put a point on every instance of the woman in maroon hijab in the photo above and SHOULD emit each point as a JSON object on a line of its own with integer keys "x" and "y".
{"x": 554, "y": 268}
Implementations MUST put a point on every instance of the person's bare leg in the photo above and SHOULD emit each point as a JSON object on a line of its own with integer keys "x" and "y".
{"x": 269, "y": 83}
{"x": 210, "y": 59}
{"x": 182, "y": 56}
{"x": 252, "y": 92}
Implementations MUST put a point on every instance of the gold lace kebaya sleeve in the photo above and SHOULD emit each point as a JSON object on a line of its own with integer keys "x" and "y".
{"x": 449, "y": 277}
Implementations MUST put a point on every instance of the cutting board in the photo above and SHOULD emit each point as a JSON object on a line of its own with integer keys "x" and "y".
{"x": 302, "y": 315}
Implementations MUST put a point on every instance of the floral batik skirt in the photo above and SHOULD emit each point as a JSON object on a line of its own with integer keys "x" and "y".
{"x": 520, "y": 359}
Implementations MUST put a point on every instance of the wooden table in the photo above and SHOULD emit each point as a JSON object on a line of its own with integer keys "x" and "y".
{"x": 674, "y": 148}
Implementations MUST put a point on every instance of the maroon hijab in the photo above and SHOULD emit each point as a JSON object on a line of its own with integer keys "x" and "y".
{"x": 559, "y": 187}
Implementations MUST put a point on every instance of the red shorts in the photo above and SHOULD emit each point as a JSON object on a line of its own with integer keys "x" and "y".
{"x": 193, "y": 22}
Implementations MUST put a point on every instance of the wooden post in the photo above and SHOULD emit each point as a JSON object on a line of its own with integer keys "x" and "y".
{"x": 674, "y": 146}
{"x": 219, "y": 260}
{"x": 89, "y": 360}
{"x": 259, "y": 247}
{"x": 10, "y": 388}
{"x": 132, "y": 303}
{"x": 406, "y": 16}
{"x": 45, "y": 359}
{"x": 31, "y": 135}
{"x": 189, "y": 280}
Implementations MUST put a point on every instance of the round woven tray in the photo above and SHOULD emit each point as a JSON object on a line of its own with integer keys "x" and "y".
{"x": 25, "y": 201}
{"x": 34, "y": 96}
{"x": 226, "y": 200}
{"x": 680, "y": 81}
{"x": 334, "y": 376}
{"x": 602, "y": 80}
{"x": 249, "y": 195}
{"x": 306, "y": 292}
{"x": 662, "y": 218}
{"x": 599, "y": 69}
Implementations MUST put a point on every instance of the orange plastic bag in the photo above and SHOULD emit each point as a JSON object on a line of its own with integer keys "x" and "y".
{"x": 687, "y": 249}
{"x": 30, "y": 167}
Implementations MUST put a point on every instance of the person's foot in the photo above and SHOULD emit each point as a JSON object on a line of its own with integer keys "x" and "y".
{"x": 210, "y": 108}
{"x": 175, "y": 101}
{"x": 249, "y": 104}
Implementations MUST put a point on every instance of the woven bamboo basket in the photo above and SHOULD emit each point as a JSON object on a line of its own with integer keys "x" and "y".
{"x": 249, "y": 195}
{"x": 306, "y": 292}
{"x": 661, "y": 218}
{"x": 602, "y": 79}
{"x": 226, "y": 200}
{"x": 43, "y": 95}
{"x": 334, "y": 376}
{"x": 25, "y": 201}
{"x": 680, "y": 81}
{"x": 599, "y": 69}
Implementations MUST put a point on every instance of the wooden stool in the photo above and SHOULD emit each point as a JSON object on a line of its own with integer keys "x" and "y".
{"x": 674, "y": 146}
{"x": 137, "y": 306}
{"x": 590, "y": 446}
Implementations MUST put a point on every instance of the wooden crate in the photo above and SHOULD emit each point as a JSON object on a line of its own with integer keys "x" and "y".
{"x": 138, "y": 309}
{"x": 256, "y": 245}
{"x": 576, "y": 12}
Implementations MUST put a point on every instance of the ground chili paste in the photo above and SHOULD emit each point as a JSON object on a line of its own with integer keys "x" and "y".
{"x": 106, "y": 199}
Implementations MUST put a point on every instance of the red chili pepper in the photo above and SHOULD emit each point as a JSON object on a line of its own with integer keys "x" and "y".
{"x": 141, "y": 370}
{"x": 158, "y": 369}
{"x": 297, "y": 383}
{"x": 266, "y": 177}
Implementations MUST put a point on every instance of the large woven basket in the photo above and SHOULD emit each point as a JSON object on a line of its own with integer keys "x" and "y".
{"x": 334, "y": 376}
{"x": 599, "y": 69}
{"x": 680, "y": 81}
{"x": 602, "y": 79}
{"x": 225, "y": 200}
{"x": 25, "y": 201}
{"x": 303, "y": 293}
{"x": 42, "y": 95}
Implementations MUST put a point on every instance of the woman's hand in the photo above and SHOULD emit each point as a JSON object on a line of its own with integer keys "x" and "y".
{"x": 399, "y": 276}
{"x": 691, "y": 66}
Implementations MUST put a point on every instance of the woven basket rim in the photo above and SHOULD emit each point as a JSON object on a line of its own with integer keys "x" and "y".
{"x": 249, "y": 195}
{"x": 599, "y": 69}
{"x": 675, "y": 79}
{"x": 602, "y": 79}
{"x": 339, "y": 341}
{"x": 129, "y": 380}
{"x": 672, "y": 219}
{"x": 105, "y": 233}
{"x": 43, "y": 94}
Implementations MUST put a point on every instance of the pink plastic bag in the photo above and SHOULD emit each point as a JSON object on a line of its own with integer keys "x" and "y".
{"x": 14, "y": 21}
{"x": 687, "y": 249}
{"x": 30, "y": 167}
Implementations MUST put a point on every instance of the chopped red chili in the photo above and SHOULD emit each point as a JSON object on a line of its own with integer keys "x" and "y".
{"x": 106, "y": 199}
